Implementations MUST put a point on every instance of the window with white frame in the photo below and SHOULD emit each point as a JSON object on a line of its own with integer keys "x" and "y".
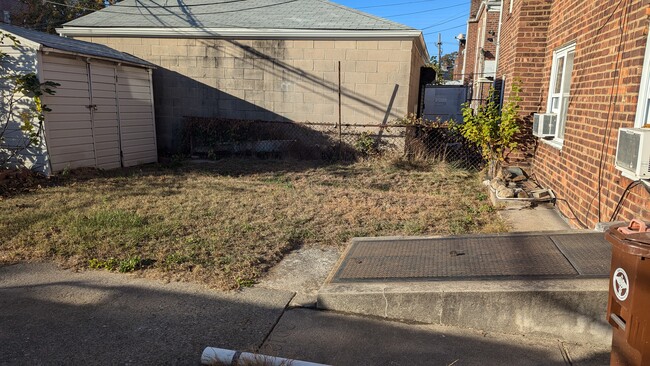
{"x": 560, "y": 86}
{"x": 643, "y": 106}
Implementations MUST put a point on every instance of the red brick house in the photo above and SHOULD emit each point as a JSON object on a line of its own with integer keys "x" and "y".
{"x": 588, "y": 64}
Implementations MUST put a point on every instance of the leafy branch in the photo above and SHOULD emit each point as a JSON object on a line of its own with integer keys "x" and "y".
{"x": 30, "y": 118}
{"x": 491, "y": 128}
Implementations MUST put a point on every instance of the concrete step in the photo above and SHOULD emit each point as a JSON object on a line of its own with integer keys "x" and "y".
{"x": 538, "y": 284}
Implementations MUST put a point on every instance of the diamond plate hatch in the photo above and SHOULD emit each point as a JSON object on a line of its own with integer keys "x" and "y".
{"x": 478, "y": 257}
{"x": 590, "y": 254}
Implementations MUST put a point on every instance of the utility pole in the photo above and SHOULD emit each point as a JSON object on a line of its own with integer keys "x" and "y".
{"x": 439, "y": 50}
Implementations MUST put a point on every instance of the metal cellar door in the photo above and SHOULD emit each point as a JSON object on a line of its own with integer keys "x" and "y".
{"x": 105, "y": 115}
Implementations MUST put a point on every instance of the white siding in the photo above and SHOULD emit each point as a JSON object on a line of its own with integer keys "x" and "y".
{"x": 97, "y": 116}
{"x": 137, "y": 125}
{"x": 19, "y": 60}
{"x": 68, "y": 127}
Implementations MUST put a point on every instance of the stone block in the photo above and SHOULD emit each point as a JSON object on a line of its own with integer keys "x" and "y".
{"x": 390, "y": 45}
{"x": 356, "y": 55}
{"x": 335, "y": 54}
{"x": 314, "y": 54}
{"x": 328, "y": 45}
{"x": 406, "y": 45}
{"x": 367, "y": 45}
{"x": 387, "y": 67}
{"x": 241, "y": 63}
{"x": 304, "y": 65}
{"x": 303, "y": 44}
{"x": 253, "y": 74}
{"x": 353, "y": 78}
{"x": 324, "y": 65}
{"x": 346, "y": 44}
{"x": 366, "y": 66}
{"x": 376, "y": 78}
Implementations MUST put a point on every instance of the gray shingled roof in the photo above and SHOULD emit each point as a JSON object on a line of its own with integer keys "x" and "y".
{"x": 260, "y": 14}
{"x": 72, "y": 45}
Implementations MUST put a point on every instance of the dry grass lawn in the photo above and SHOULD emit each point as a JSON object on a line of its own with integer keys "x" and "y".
{"x": 226, "y": 223}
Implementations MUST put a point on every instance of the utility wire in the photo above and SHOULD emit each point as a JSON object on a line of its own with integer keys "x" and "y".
{"x": 422, "y": 11}
{"x": 111, "y": 9}
{"x": 153, "y": 3}
{"x": 446, "y": 21}
{"x": 446, "y": 29}
{"x": 395, "y": 4}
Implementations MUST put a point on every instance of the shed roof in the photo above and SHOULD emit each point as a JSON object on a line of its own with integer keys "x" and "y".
{"x": 249, "y": 14}
{"x": 72, "y": 45}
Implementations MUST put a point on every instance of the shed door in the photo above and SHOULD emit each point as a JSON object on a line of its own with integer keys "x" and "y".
{"x": 68, "y": 127}
{"x": 137, "y": 125}
{"x": 105, "y": 115}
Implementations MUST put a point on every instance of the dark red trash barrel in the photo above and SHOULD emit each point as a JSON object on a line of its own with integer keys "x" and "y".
{"x": 628, "y": 308}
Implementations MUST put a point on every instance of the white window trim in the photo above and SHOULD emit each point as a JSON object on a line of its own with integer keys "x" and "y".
{"x": 644, "y": 90}
{"x": 510, "y": 10}
{"x": 562, "y": 51}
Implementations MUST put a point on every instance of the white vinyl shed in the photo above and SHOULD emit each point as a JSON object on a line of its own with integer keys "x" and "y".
{"x": 102, "y": 113}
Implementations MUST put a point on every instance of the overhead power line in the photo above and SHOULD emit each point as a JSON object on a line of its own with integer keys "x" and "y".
{"x": 395, "y": 4}
{"x": 115, "y": 9}
{"x": 422, "y": 11}
{"x": 175, "y": 5}
{"x": 446, "y": 21}
{"x": 446, "y": 29}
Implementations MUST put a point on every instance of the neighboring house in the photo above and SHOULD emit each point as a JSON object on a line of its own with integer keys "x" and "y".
{"x": 588, "y": 65}
{"x": 102, "y": 112}
{"x": 268, "y": 60}
{"x": 478, "y": 51}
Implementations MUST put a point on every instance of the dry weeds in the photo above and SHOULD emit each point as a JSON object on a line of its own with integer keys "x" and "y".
{"x": 226, "y": 223}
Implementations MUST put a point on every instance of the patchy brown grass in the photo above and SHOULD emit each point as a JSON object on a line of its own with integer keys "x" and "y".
{"x": 226, "y": 223}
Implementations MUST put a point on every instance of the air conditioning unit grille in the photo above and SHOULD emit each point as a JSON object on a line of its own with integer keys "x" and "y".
{"x": 633, "y": 152}
{"x": 628, "y": 151}
{"x": 544, "y": 124}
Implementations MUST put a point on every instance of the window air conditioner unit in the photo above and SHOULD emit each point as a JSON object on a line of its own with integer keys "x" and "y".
{"x": 544, "y": 124}
{"x": 633, "y": 152}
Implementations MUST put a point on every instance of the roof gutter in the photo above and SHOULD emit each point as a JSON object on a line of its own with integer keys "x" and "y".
{"x": 87, "y": 56}
{"x": 256, "y": 33}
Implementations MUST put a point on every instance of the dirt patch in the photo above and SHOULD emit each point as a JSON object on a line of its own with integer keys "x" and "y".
{"x": 17, "y": 181}
{"x": 225, "y": 224}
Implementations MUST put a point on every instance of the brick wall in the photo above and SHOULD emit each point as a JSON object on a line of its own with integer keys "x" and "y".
{"x": 470, "y": 51}
{"x": 522, "y": 58}
{"x": 458, "y": 63}
{"x": 287, "y": 80}
{"x": 610, "y": 43}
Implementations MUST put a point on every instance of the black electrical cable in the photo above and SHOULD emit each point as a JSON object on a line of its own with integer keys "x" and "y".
{"x": 575, "y": 217}
{"x": 612, "y": 103}
{"x": 622, "y": 198}
{"x": 533, "y": 177}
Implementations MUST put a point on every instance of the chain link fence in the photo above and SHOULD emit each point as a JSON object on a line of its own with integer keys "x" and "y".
{"x": 214, "y": 138}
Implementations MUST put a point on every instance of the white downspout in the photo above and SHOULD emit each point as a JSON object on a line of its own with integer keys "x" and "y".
{"x": 496, "y": 53}
{"x": 465, "y": 51}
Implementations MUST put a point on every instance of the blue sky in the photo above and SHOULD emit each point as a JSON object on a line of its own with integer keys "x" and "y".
{"x": 431, "y": 16}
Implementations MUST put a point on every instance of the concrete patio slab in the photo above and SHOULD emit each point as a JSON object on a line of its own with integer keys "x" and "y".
{"x": 53, "y": 316}
{"x": 543, "y": 217}
{"x": 548, "y": 285}
{"x": 338, "y": 339}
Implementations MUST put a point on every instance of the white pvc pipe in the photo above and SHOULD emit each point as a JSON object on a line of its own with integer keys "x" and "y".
{"x": 220, "y": 356}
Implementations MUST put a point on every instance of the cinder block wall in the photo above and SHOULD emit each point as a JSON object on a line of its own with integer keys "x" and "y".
{"x": 275, "y": 80}
{"x": 610, "y": 44}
